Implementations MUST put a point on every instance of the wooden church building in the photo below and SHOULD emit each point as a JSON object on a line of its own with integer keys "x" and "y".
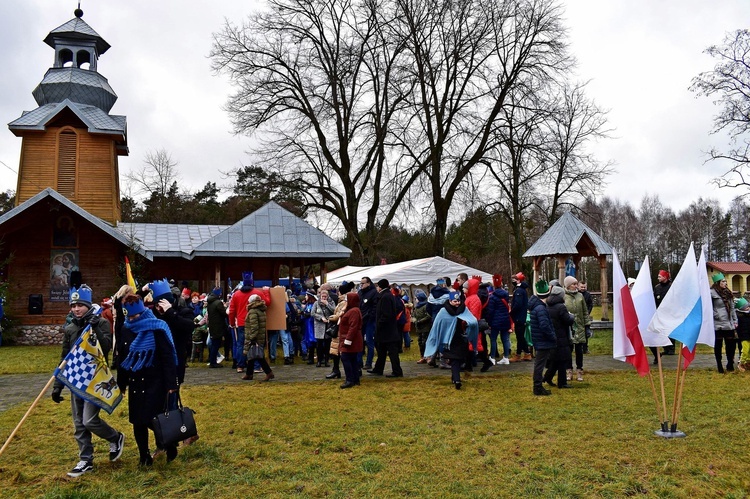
{"x": 66, "y": 229}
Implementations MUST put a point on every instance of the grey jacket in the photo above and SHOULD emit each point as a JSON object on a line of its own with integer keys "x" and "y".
{"x": 723, "y": 320}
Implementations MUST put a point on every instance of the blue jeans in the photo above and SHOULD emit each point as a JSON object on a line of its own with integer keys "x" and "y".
{"x": 213, "y": 350}
{"x": 273, "y": 343}
{"x": 286, "y": 343}
{"x": 407, "y": 339}
{"x": 239, "y": 345}
{"x": 493, "y": 342}
{"x": 505, "y": 335}
{"x": 369, "y": 331}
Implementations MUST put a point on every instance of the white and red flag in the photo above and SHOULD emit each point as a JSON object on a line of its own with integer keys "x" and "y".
{"x": 627, "y": 345}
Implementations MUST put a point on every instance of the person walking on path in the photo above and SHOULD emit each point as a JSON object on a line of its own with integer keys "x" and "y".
{"x": 542, "y": 334}
{"x": 351, "y": 340}
{"x": 86, "y": 420}
{"x": 387, "y": 335}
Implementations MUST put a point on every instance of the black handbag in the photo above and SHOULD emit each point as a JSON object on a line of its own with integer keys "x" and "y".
{"x": 172, "y": 427}
{"x": 332, "y": 331}
{"x": 255, "y": 352}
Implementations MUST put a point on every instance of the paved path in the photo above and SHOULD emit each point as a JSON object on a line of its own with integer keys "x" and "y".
{"x": 17, "y": 388}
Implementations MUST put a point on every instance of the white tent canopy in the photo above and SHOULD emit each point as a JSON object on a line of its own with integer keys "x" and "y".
{"x": 420, "y": 272}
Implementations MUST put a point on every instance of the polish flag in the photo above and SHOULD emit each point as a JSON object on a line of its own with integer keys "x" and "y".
{"x": 627, "y": 345}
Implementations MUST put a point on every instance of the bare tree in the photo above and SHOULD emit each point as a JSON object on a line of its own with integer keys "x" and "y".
{"x": 729, "y": 83}
{"x": 574, "y": 173}
{"x": 154, "y": 178}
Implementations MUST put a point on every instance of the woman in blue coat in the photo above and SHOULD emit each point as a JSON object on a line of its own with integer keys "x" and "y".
{"x": 542, "y": 334}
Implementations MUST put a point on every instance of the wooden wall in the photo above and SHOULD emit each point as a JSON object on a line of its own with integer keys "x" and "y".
{"x": 28, "y": 237}
{"x": 97, "y": 183}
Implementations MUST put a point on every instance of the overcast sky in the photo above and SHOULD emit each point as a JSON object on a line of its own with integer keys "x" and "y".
{"x": 640, "y": 56}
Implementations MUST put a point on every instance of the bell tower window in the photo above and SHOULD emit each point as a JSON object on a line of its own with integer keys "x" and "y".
{"x": 83, "y": 59}
{"x": 67, "y": 153}
{"x": 65, "y": 58}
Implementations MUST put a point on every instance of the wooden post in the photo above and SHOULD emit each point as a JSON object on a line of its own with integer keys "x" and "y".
{"x": 561, "y": 268}
{"x": 605, "y": 287}
{"x": 217, "y": 273}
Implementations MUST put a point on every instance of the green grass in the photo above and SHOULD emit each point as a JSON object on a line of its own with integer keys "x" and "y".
{"x": 412, "y": 437}
{"x": 27, "y": 360}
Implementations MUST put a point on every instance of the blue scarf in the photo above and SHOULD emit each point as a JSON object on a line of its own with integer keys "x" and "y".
{"x": 143, "y": 348}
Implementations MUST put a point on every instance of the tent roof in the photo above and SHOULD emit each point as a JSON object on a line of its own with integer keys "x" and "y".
{"x": 422, "y": 271}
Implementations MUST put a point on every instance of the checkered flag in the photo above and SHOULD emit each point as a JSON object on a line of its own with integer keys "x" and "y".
{"x": 85, "y": 372}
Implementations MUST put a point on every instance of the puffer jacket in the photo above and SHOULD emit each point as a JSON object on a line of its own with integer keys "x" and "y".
{"x": 497, "y": 313}
{"x": 577, "y": 306}
{"x": 473, "y": 303}
{"x": 723, "y": 320}
{"x": 255, "y": 324}
{"x": 542, "y": 333}
{"x": 76, "y": 326}
{"x": 520, "y": 303}
{"x": 217, "y": 317}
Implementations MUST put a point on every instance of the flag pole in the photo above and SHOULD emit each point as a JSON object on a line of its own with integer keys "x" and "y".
{"x": 677, "y": 386}
{"x": 679, "y": 403}
{"x": 656, "y": 396}
{"x": 665, "y": 420}
{"x": 36, "y": 401}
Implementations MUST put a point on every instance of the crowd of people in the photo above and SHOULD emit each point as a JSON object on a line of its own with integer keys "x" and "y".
{"x": 155, "y": 331}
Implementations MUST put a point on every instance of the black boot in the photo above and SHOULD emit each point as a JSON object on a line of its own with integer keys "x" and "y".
{"x": 540, "y": 390}
{"x": 146, "y": 459}
{"x": 333, "y": 375}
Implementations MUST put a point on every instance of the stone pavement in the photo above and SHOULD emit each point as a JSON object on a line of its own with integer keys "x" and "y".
{"x": 17, "y": 388}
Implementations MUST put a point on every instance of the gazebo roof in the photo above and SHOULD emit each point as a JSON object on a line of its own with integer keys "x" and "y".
{"x": 569, "y": 236}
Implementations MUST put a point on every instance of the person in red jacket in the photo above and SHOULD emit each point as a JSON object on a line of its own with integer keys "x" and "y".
{"x": 237, "y": 313}
{"x": 351, "y": 340}
{"x": 474, "y": 305}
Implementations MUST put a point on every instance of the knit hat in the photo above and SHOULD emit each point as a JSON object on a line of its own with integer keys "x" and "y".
{"x": 247, "y": 279}
{"x": 160, "y": 289}
{"x": 717, "y": 277}
{"x": 216, "y": 291}
{"x": 556, "y": 290}
{"x": 740, "y": 304}
{"x": 663, "y": 273}
{"x": 253, "y": 298}
{"x": 554, "y": 282}
{"x": 440, "y": 281}
{"x": 383, "y": 283}
{"x": 81, "y": 295}
{"x": 542, "y": 288}
{"x": 569, "y": 280}
{"x": 519, "y": 277}
{"x": 420, "y": 295}
{"x": 454, "y": 295}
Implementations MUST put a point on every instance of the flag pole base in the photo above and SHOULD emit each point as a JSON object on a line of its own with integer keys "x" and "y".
{"x": 670, "y": 434}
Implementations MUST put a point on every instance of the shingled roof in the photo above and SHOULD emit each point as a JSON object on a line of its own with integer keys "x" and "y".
{"x": 272, "y": 231}
{"x": 565, "y": 237}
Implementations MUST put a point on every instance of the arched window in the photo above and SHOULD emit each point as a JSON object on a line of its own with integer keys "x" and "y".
{"x": 67, "y": 152}
{"x": 83, "y": 59}
{"x": 65, "y": 58}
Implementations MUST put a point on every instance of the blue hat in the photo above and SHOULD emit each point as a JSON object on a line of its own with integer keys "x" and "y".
{"x": 131, "y": 309}
{"x": 160, "y": 289}
{"x": 216, "y": 291}
{"x": 420, "y": 295}
{"x": 81, "y": 295}
{"x": 454, "y": 295}
{"x": 440, "y": 280}
{"x": 247, "y": 279}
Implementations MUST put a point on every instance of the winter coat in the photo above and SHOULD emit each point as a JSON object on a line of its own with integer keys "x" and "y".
{"x": 217, "y": 317}
{"x": 336, "y": 318}
{"x": 182, "y": 335}
{"x": 255, "y": 324}
{"x": 368, "y": 301}
{"x": 723, "y": 320}
{"x": 743, "y": 328}
{"x": 386, "y": 327}
{"x": 520, "y": 303}
{"x": 421, "y": 320}
{"x": 473, "y": 303}
{"x": 497, "y": 313}
{"x": 322, "y": 311}
{"x": 576, "y": 306}
{"x": 149, "y": 386}
{"x": 238, "y": 306}
{"x": 660, "y": 291}
{"x": 73, "y": 331}
{"x": 453, "y": 329}
{"x": 542, "y": 333}
{"x": 561, "y": 319}
{"x": 350, "y": 326}
{"x": 435, "y": 301}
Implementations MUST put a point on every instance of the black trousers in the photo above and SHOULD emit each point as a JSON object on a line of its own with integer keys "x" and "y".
{"x": 521, "y": 345}
{"x": 540, "y": 360}
{"x": 557, "y": 364}
{"x": 390, "y": 348}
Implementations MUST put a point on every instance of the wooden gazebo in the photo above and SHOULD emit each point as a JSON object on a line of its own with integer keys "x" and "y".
{"x": 571, "y": 238}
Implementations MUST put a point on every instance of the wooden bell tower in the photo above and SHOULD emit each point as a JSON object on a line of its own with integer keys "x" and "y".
{"x": 70, "y": 142}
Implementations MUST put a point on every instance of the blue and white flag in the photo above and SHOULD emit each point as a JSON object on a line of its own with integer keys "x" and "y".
{"x": 680, "y": 313}
{"x": 85, "y": 372}
{"x": 645, "y": 306}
